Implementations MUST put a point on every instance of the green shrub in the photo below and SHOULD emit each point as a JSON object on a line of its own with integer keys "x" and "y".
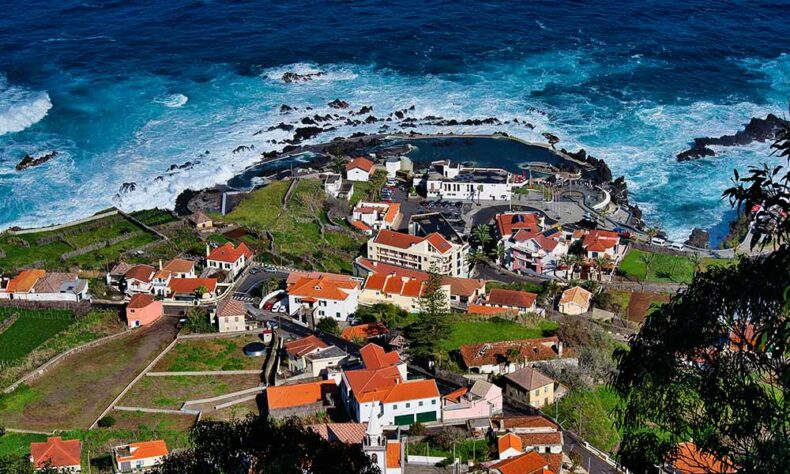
{"x": 106, "y": 422}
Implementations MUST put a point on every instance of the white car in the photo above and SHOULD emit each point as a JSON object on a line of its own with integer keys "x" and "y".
{"x": 276, "y": 307}
{"x": 676, "y": 246}
{"x": 658, "y": 241}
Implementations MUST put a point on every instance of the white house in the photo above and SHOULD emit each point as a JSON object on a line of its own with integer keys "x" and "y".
{"x": 575, "y": 300}
{"x": 602, "y": 243}
{"x": 324, "y": 295}
{"x": 140, "y": 279}
{"x": 382, "y": 389}
{"x": 336, "y": 187}
{"x": 139, "y": 457}
{"x": 298, "y": 350}
{"x": 374, "y": 216}
{"x": 228, "y": 258}
{"x": 453, "y": 182}
{"x": 359, "y": 169}
{"x": 39, "y": 285}
{"x": 231, "y": 315}
{"x": 397, "y": 164}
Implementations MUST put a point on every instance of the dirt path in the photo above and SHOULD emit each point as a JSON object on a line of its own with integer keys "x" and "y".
{"x": 72, "y": 394}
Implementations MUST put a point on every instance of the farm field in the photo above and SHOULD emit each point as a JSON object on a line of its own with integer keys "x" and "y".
{"x": 473, "y": 332}
{"x": 75, "y": 391}
{"x": 153, "y": 217}
{"x": 664, "y": 268}
{"x": 240, "y": 410}
{"x": 44, "y": 249}
{"x": 331, "y": 251}
{"x": 215, "y": 353}
{"x": 32, "y": 328}
{"x": 172, "y": 392}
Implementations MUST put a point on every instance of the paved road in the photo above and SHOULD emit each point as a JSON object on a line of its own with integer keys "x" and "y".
{"x": 488, "y": 272}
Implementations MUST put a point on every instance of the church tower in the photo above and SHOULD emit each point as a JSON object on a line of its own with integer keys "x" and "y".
{"x": 375, "y": 444}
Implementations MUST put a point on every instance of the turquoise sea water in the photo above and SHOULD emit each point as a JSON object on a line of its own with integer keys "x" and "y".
{"x": 124, "y": 91}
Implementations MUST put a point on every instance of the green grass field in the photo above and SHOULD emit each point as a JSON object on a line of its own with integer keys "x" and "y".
{"x": 262, "y": 210}
{"x": 31, "y": 329}
{"x": 27, "y": 250}
{"x": 216, "y": 353}
{"x": 664, "y": 268}
{"x": 172, "y": 392}
{"x": 589, "y": 412}
{"x": 474, "y": 332}
{"x": 153, "y": 217}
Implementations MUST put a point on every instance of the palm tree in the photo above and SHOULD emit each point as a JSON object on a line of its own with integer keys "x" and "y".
{"x": 499, "y": 253}
{"x": 651, "y": 233}
{"x": 696, "y": 260}
{"x": 568, "y": 261}
{"x": 646, "y": 258}
{"x": 482, "y": 234}
{"x": 476, "y": 256}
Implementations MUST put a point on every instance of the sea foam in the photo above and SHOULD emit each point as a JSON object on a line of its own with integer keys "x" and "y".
{"x": 20, "y": 107}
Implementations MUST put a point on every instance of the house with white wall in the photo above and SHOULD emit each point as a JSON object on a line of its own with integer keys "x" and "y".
{"x": 420, "y": 252}
{"x": 40, "y": 285}
{"x": 139, "y": 457}
{"x": 228, "y": 258}
{"x": 325, "y": 295}
{"x": 454, "y": 182}
{"x": 359, "y": 169}
{"x": 374, "y": 216}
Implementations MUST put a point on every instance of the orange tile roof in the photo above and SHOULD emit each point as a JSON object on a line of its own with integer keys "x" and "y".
{"x": 393, "y": 455}
{"x": 361, "y": 162}
{"x": 56, "y": 452}
{"x": 529, "y": 378}
{"x": 189, "y": 285}
{"x": 600, "y": 240}
{"x": 392, "y": 212}
{"x": 577, "y": 295}
{"x": 304, "y": 346}
{"x": 296, "y": 276}
{"x": 287, "y": 396}
{"x": 228, "y": 253}
{"x": 528, "y": 463}
{"x": 349, "y": 433}
{"x": 458, "y": 286}
{"x": 439, "y": 242}
{"x": 231, "y": 307}
{"x": 145, "y": 450}
{"x": 179, "y": 265}
{"x": 690, "y": 460}
{"x": 361, "y": 225}
{"x": 509, "y": 441}
{"x": 323, "y": 287}
{"x": 532, "y": 421}
{"x": 511, "y": 298}
{"x": 142, "y": 273}
{"x": 396, "y": 239}
{"x": 162, "y": 275}
{"x": 508, "y": 222}
{"x": 456, "y": 395}
{"x": 376, "y": 281}
{"x": 364, "y": 331}
{"x": 374, "y": 357}
{"x": 25, "y": 281}
{"x": 373, "y": 384}
{"x": 488, "y": 353}
{"x": 140, "y": 301}
{"x": 541, "y": 439}
{"x": 412, "y": 390}
{"x": 482, "y": 309}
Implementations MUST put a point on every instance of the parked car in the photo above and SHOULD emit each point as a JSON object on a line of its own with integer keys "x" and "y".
{"x": 276, "y": 307}
{"x": 676, "y": 246}
{"x": 254, "y": 270}
{"x": 658, "y": 241}
{"x": 283, "y": 307}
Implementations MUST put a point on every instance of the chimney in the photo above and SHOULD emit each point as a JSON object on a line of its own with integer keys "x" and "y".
{"x": 559, "y": 348}
{"x": 160, "y": 263}
{"x": 208, "y": 249}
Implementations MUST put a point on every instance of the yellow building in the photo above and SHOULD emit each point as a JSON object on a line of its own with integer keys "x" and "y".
{"x": 530, "y": 386}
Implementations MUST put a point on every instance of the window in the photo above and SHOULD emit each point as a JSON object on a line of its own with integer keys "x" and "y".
{"x": 395, "y": 406}
{"x": 420, "y": 403}
{"x": 433, "y": 402}
{"x": 408, "y": 405}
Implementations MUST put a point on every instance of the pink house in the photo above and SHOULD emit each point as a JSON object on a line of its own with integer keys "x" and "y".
{"x": 482, "y": 400}
{"x": 142, "y": 310}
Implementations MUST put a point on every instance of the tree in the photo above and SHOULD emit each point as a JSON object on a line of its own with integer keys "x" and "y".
{"x": 647, "y": 259}
{"x": 106, "y": 422}
{"x": 696, "y": 261}
{"x": 433, "y": 321}
{"x": 476, "y": 257}
{"x": 328, "y": 325}
{"x": 711, "y": 365}
{"x": 197, "y": 321}
{"x": 482, "y": 235}
{"x": 389, "y": 314}
{"x": 256, "y": 445}
{"x": 568, "y": 261}
{"x": 200, "y": 291}
{"x": 377, "y": 181}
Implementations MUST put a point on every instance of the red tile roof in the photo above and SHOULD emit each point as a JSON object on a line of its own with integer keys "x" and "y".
{"x": 179, "y": 265}
{"x": 455, "y": 395}
{"x": 688, "y": 459}
{"x": 361, "y": 162}
{"x": 25, "y": 281}
{"x": 482, "y": 309}
{"x": 600, "y": 240}
{"x": 396, "y": 239}
{"x": 184, "y": 286}
{"x": 364, "y": 331}
{"x": 323, "y": 287}
{"x": 373, "y": 384}
{"x": 361, "y": 226}
{"x": 509, "y": 441}
{"x": 392, "y": 212}
{"x": 393, "y": 455}
{"x": 231, "y": 307}
{"x": 140, "y": 301}
{"x": 412, "y": 390}
{"x": 56, "y": 452}
{"x": 541, "y": 439}
{"x": 439, "y": 242}
{"x": 511, "y": 221}
{"x": 229, "y": 254}
{"x": 492, "y": 353}
{"x": 374, "y": 357}
{"x": 143, "y": 273}
{"x": 287, "y": 396}
{"x": 145, "y": 450}
{"x": 458, "y": 286}
{"x": 348, "y": 433}
{"x": 304, "y": 346}
{"x": 527, "y": 463}
{"x": 511, "y": 298}
{"x": 534, "y": 421}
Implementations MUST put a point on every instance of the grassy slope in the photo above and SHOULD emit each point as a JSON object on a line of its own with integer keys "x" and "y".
{"x": 592, "y": 411}
{"x": 29, "y": 331}
{"x": 664, "y": 268}
{"x": 217, "y": 353}
{"x": 473, "y": 332}
{"x": 172, "y": 392}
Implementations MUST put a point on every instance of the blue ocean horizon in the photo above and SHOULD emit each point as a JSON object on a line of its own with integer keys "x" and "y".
{"x": 124, "y": 91}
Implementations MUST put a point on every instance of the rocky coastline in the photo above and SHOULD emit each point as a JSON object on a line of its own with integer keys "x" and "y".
{"x": 757, "y": 130}
{"x": 29, "y": 161}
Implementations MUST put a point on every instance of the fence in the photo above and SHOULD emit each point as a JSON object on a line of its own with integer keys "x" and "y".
{"x": 80, "y": 308}
{"x": 98, "y": 245}
{"x": 8, "y": 322}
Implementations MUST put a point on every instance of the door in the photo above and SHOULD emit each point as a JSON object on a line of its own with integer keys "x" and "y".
{"x": 403, "y": 420}
{"x": 426, "y": 417}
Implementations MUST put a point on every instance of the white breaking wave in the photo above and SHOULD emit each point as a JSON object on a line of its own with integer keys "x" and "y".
{"x": 173, "y": 101}
{"x": 20, "y": 107}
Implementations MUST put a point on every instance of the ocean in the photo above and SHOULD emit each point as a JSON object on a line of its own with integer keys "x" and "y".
{"x": 125, "y": 90}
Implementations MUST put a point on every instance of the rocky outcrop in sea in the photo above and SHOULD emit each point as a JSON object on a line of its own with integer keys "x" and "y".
{"x": 757, "y": 130}
{"x": 29, "y": 161}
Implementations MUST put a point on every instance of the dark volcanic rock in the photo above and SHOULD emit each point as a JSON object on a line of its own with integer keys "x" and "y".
{"x": 552, "y": 139}
{"x": 338, "y": 104}
{"x": 290, "y": 77}
{"x": 29, "y": 161}
{"x": 371, "y": 119}
{"x": 305, "y": 133}
{"x": 698, "y": 238}
{"x": 286, "y": 108}
{"x": 184, "y": 166}
{"x": 308, "y": 121}
{"x": 281, "y": 126}
{"x": 757, "y": 129}
{"x": 127, "y": 187}
{"x": 602, "y": 172}
{"x": 242, "y": 148}
{"x": 364, "y": 110}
